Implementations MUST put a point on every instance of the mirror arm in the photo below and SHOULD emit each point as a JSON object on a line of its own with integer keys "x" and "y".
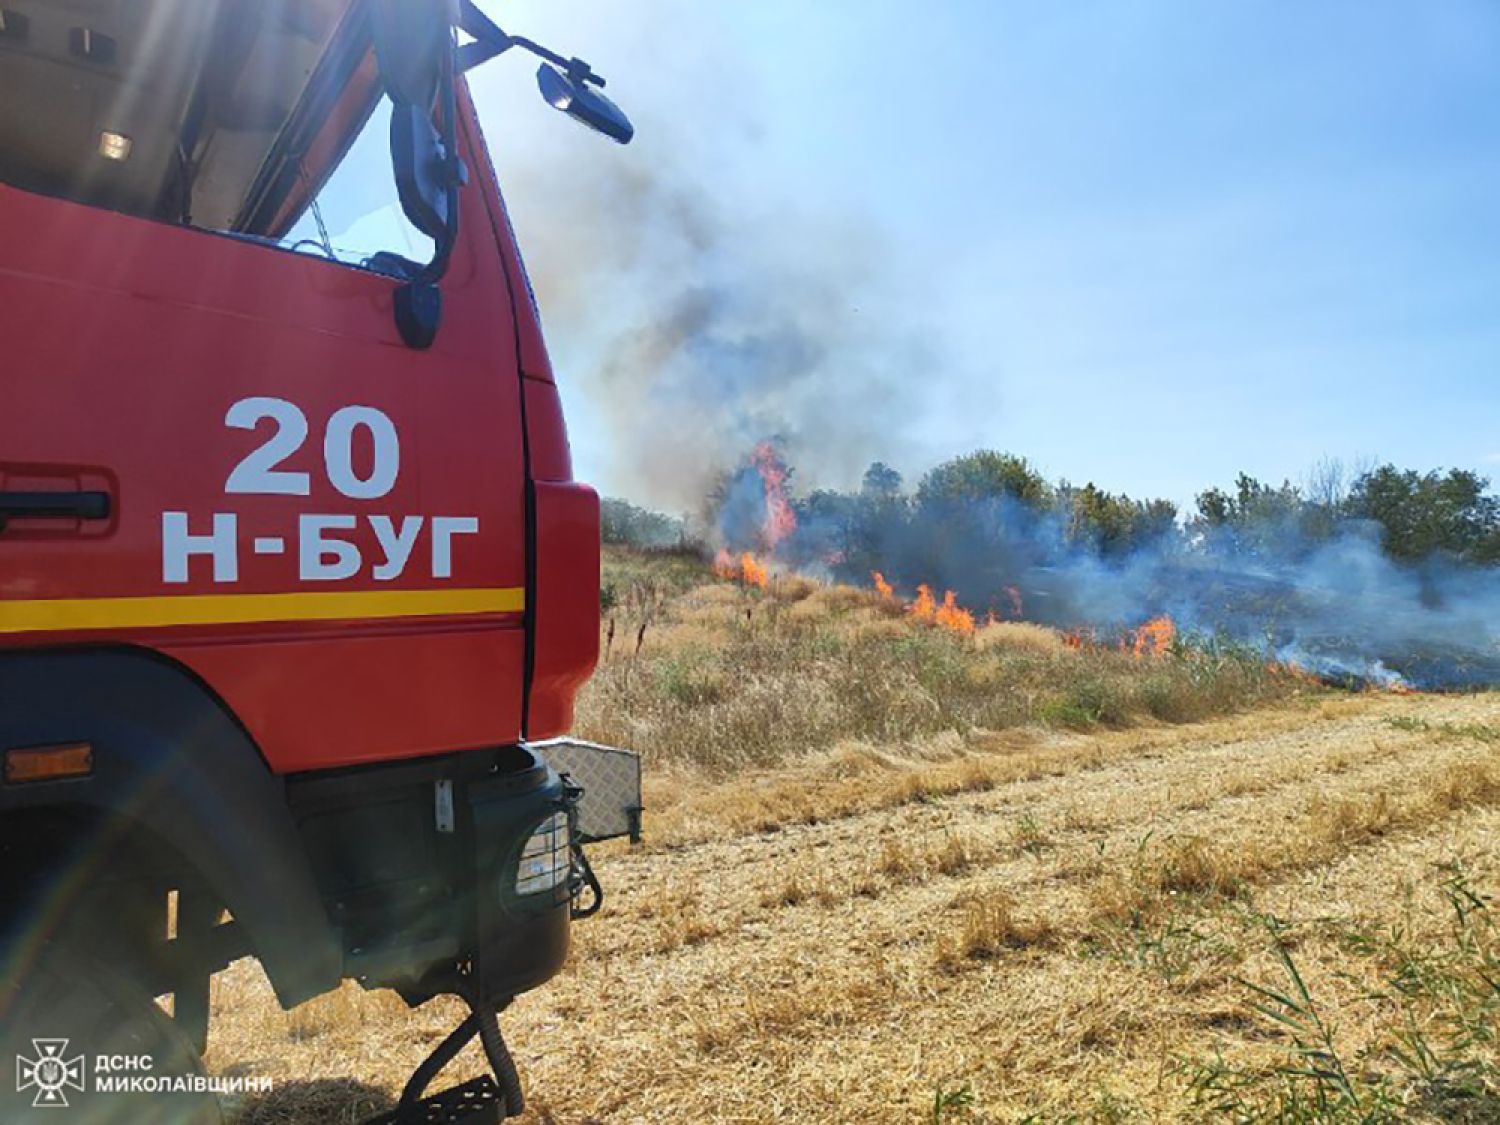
{"x": 473, "y": 54}
{"x": 418, "y": 301}
{"x": 490, "y": 40}
{"x": 577, "y": 69}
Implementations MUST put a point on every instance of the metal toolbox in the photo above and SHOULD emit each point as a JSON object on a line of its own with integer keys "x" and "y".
{"x": 611, "y": 782}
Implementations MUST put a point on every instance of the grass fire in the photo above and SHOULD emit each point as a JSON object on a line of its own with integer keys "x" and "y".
{"x": 1328, "y": 585}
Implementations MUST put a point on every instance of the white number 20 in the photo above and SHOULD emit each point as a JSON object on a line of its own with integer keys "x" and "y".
{"x": 257, "y": 474}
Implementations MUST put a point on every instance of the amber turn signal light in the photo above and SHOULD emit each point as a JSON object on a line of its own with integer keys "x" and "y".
{"x": 48, "y": 763}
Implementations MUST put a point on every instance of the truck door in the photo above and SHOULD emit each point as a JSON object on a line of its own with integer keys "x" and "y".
{"x": 230, "y": 456}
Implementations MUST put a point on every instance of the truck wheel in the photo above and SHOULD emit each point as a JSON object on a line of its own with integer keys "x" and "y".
{"x": 62, "y": 1015}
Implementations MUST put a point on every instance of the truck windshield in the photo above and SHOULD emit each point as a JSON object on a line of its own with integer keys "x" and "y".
{"x": 258, "y": 118}
{"x": 356, "y": 214}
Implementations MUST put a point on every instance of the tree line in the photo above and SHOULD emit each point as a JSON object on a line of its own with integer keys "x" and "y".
{"x": 990, "y": 498}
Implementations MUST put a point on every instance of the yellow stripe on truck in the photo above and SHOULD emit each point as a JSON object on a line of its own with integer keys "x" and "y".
{"x": 72, "y": 614}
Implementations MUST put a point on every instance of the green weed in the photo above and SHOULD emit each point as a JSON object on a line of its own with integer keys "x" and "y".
{"x": 1441, "y": 1061}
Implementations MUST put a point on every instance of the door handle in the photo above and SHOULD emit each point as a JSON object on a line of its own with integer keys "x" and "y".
{"x": 53, "y": 506}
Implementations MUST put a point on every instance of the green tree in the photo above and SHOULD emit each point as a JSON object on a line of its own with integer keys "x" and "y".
{"x": 1114, "y": 525}
{"x": 881, "y": 482}
{"x": 1422, "y": 514}
{"x": 627, "y": 523}
{"x": 985, "y": 475}
{"x": 1251, "y": 504}
{"x": 1255, "y": 517}
{"x": 828, "y": 524}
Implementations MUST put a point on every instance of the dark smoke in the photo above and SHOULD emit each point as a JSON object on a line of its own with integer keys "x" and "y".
{"x": 692, "y": 301}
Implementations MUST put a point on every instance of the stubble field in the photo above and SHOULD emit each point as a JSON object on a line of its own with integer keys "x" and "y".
{"x": 1274, "y": 909}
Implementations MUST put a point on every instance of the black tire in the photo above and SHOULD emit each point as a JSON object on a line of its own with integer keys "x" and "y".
{"x": 59, "y": 992}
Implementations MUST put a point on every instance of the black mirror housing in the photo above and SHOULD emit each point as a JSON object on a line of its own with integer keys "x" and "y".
{"x": 414, "y": 44}
{"x": 583, "y": 104}
{"x": 421, "y": 167}
{"x": 410, "y": 38}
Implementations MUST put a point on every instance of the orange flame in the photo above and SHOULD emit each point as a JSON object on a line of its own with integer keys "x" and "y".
{"x": 953, "y": 618}
{"x": 1154, "y": 637}
{"x": 747, "y": 569}
{"x": 753, "y": 572}
{"x": 882, "y": 587}
{"x": 948, "y": 613}
{"x": 1293, "y": 670}
{"x": 924, "y": 608}
{"x": 780, "y": 519}
{"x": 1015, "y": 600}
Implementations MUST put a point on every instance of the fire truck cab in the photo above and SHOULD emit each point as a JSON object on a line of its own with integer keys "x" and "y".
{"x": 296, "y": 587}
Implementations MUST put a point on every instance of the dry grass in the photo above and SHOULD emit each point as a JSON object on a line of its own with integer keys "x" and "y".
{"x": 1022, "y": 636}
{"x": 680, "y": 920}
{"x": 994, "y": 921}
{"x": 722, "y": 678}
{"x": 1063, "y": 928}
{"x": 990, "y": 926}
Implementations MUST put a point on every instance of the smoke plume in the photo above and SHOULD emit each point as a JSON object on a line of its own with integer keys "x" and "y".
{"x": 693, "y": 304}
{"x": 1336, "y": 606}
{"x": 696, "y": 307}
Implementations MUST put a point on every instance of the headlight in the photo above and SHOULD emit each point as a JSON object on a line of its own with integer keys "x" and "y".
{"x": 545, "y": 859}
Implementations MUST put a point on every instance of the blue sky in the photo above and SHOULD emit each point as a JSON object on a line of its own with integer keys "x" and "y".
{"x": 1148, "y": 244}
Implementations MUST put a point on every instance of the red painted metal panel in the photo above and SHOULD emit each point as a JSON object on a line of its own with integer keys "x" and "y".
{"x": 351, "y": 700}
{"x": 551, "y": 458}
{"x": 566, "y": 606}
{"x": 535, "y": 362}
{"x": 129, "y": 341}
{"x": 566, "y": 563}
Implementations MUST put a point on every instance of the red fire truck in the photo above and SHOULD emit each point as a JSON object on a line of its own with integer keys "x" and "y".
{"x": 296, "y": 587}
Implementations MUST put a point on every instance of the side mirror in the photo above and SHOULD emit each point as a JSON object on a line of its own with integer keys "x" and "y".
{"x": 583, "y": 104}
{"x": 419, "y": 62}
{"x": 567, "y": 84}
{"x": 414, "y": 43}
{"x": 420, "y": 161}
{"x": 415, "y": 48}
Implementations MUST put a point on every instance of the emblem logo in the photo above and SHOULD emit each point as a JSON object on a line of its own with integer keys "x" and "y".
{"x": 51, "y": 1073}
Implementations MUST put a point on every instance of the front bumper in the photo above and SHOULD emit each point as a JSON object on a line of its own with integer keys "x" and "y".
{"x": 418, "y": 866}
{"x": 419, "y": 863}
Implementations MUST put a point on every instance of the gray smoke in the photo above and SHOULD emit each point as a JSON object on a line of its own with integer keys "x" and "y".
{"x": 1340, "y": 609}
{"x": 696, "y": 306}
{"x": 693, "y": 306}
{"x": 1334, "y": 606}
